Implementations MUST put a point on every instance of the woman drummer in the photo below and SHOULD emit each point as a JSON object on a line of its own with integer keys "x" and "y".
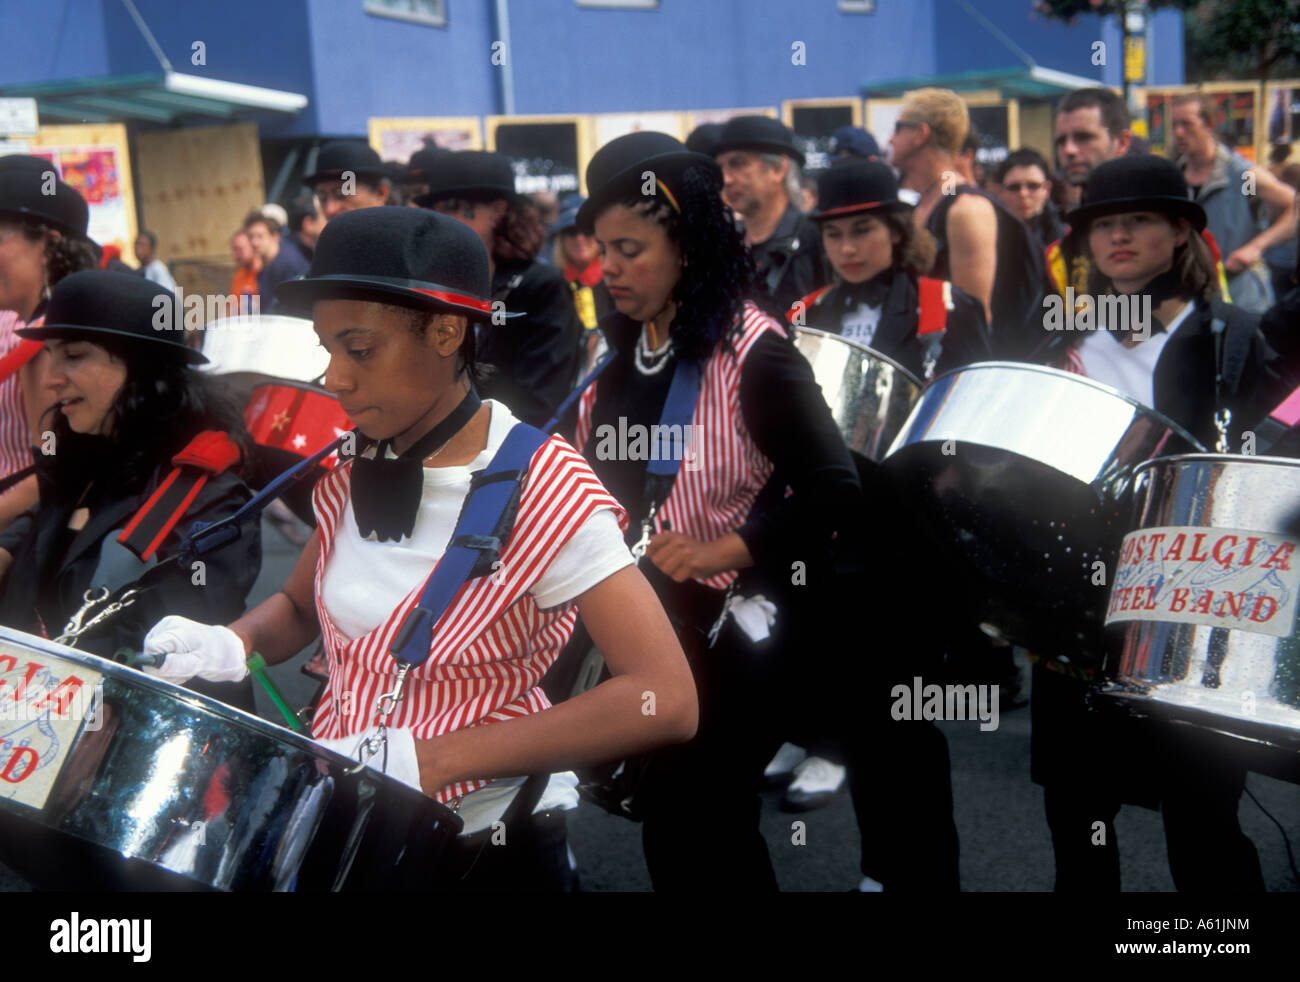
{"x": 880, "y": 297}
{"x": 140, "y": 446}
{"x": 42, "y": 239}
{"x": 678, "y": 272}
{"x": 395, "y": 294}
{"x": 1140, "y": 228}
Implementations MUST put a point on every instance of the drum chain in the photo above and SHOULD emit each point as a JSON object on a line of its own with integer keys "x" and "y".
{"x": 377, "y": 741}
{"x": 1222, "y": 420}
{"x": 77, "y": 626}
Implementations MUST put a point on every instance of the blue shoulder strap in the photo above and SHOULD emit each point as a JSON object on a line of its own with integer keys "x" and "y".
{"x": 679, "y": 409}
{"x": 485, "y": 523}
{"x": 576, "y": 394}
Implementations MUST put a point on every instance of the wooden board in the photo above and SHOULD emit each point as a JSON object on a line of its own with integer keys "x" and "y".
{"x": 196, "y": 187}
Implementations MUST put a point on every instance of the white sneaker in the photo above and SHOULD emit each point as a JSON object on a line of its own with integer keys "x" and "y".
{"x": 781, "y": 769}
{"x": 868, "y": 885}
{"x": 815, "y": 782}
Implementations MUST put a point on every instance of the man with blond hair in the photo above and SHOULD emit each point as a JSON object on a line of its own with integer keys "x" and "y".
{"x": 1233, "y": 193}
{"x": 982, "y": 247}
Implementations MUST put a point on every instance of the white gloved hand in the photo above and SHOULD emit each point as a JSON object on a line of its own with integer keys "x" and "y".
{"x": 402, "y": 763}
{"x": 210, "y": 651}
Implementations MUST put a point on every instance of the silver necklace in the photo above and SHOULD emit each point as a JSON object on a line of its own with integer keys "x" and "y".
{"x": 650, "y": 361}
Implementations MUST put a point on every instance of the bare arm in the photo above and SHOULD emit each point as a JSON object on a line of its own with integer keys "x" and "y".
{"x": 648, "y": 703}
{"x": 972, "y": 248}
{"x": 285, "y": 622}
{"x": 1281, "y": 197}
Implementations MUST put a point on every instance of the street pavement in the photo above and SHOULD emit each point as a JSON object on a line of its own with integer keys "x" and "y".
{"x": 1005, "y": 844}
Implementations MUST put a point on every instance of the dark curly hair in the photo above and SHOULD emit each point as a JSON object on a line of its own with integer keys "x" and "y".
{"x": 162, "y": 406}
{"x": 64, "y": 254}
{"x": 717, "y": 270}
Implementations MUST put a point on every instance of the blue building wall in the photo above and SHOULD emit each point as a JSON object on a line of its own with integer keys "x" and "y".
{"x": 564, "y": 58}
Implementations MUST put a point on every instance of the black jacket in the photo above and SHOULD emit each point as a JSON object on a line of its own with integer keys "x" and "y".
{"x": 535, "y": 357}
{"x": 1184, "y": 379}
{"x": 966, "y": 335}
{"x": 44, "y": 588}
{"x": 790, "y": 263}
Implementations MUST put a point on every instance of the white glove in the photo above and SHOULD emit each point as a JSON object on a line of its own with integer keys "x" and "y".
{"x": 209, "y": 651}
{"x": 402, "y": 763}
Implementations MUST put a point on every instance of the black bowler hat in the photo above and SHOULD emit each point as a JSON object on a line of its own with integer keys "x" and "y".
{"x": 469, "y": 173}
{"x": 95, "y": 303}
{"x": 618, "y": 169}
{"x": 760, "y": 133}
{"x": 421, "y": 162}
{"x": 704, "y": 138}
{"x": 855, "y": 185}
{"x": 340, "y": 156}
{"x": 1136, "y": 182}
{"x": 404, "y": 256}
{"x": 22, "y": 193}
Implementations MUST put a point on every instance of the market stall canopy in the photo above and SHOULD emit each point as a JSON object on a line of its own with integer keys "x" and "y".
{"x": 1018, "y": 82}
{"x": 154, "y": 98}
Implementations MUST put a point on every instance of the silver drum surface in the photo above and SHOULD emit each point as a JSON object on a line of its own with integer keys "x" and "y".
{"x": 164, "y": 789}
{"x": 869, "y": 394}
{"x": 1024, "y": 471}
{"x": 1237, "y": 671}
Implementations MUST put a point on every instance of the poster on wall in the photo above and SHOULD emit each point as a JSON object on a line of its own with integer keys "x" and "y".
{"x": 547, "y": 151}
{"x": 1283, "y": 106}
{"x": 993, "y": 127}
{"x": 610, "y": 126}
{"x": 396, "y": 138}
{"x": 95, "y": 172}
{"x": 815, "y": 122}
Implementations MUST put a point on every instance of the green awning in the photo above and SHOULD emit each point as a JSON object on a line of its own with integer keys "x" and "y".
{"x": 1018, "y": 82}
{"x": 152, "y": 98}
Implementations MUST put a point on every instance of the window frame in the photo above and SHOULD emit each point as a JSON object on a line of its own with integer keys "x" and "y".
{"x": 376, "y": 8}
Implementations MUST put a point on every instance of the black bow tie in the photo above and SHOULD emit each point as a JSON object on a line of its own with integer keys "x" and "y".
{"x": 386, "y": 491}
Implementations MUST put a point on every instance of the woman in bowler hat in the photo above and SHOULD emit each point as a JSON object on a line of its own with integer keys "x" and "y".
{"x": 129, "y": 413}
{"x": 880, "y": 297}
{"x": 534, "y": 359}
{"x": 395, "y": 294}
{"x": 42, "y": 240}
{"x": 765, "y": 489}
{"x": 1139, "y": 226}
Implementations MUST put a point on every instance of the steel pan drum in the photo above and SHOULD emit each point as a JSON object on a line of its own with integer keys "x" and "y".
{"x": 1206, "y": 597}
{"x": 282, "y": 347}
{"x": 111, "y": 779}
{"x": 868, "y": 393}
{"x": 1024, "y": 471}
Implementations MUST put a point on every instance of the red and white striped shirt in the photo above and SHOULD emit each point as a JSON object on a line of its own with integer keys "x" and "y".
{"x": 15, "y": 441}
{"x": 714, "y": 495}
{"x": 493, "y": 645}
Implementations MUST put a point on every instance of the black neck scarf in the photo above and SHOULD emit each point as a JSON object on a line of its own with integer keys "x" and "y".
{"x": 1160, "y": 289}
{"x": 386, "y": 491}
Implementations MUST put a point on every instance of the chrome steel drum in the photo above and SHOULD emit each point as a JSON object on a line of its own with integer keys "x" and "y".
{"x": 1024, "y": 472}
{"x": 1206, "y": 597}
{"x": 271, "y": 345}
{"x": 868, "y": 393}
{"x": 113, "y": 780}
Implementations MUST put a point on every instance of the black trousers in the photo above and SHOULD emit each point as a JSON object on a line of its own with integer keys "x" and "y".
{"x": 1090, "y": 763}
{"x": 534, "y": 858}
{"x": 701, "y": 801}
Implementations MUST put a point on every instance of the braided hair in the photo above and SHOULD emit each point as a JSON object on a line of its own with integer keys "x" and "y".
{"x": 717, "y": 271}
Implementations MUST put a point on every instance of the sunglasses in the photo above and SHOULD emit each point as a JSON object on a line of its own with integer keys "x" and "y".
{"x": 905, "y": 124}
{"x": 1024, "y": 186}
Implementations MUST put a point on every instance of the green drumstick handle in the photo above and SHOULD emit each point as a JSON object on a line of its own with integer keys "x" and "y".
{"x": 257, "y": 665}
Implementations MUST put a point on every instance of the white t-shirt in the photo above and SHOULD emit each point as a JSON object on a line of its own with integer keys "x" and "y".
{"x": 390, "y": 570}
{"x": 1131, "y": 370}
